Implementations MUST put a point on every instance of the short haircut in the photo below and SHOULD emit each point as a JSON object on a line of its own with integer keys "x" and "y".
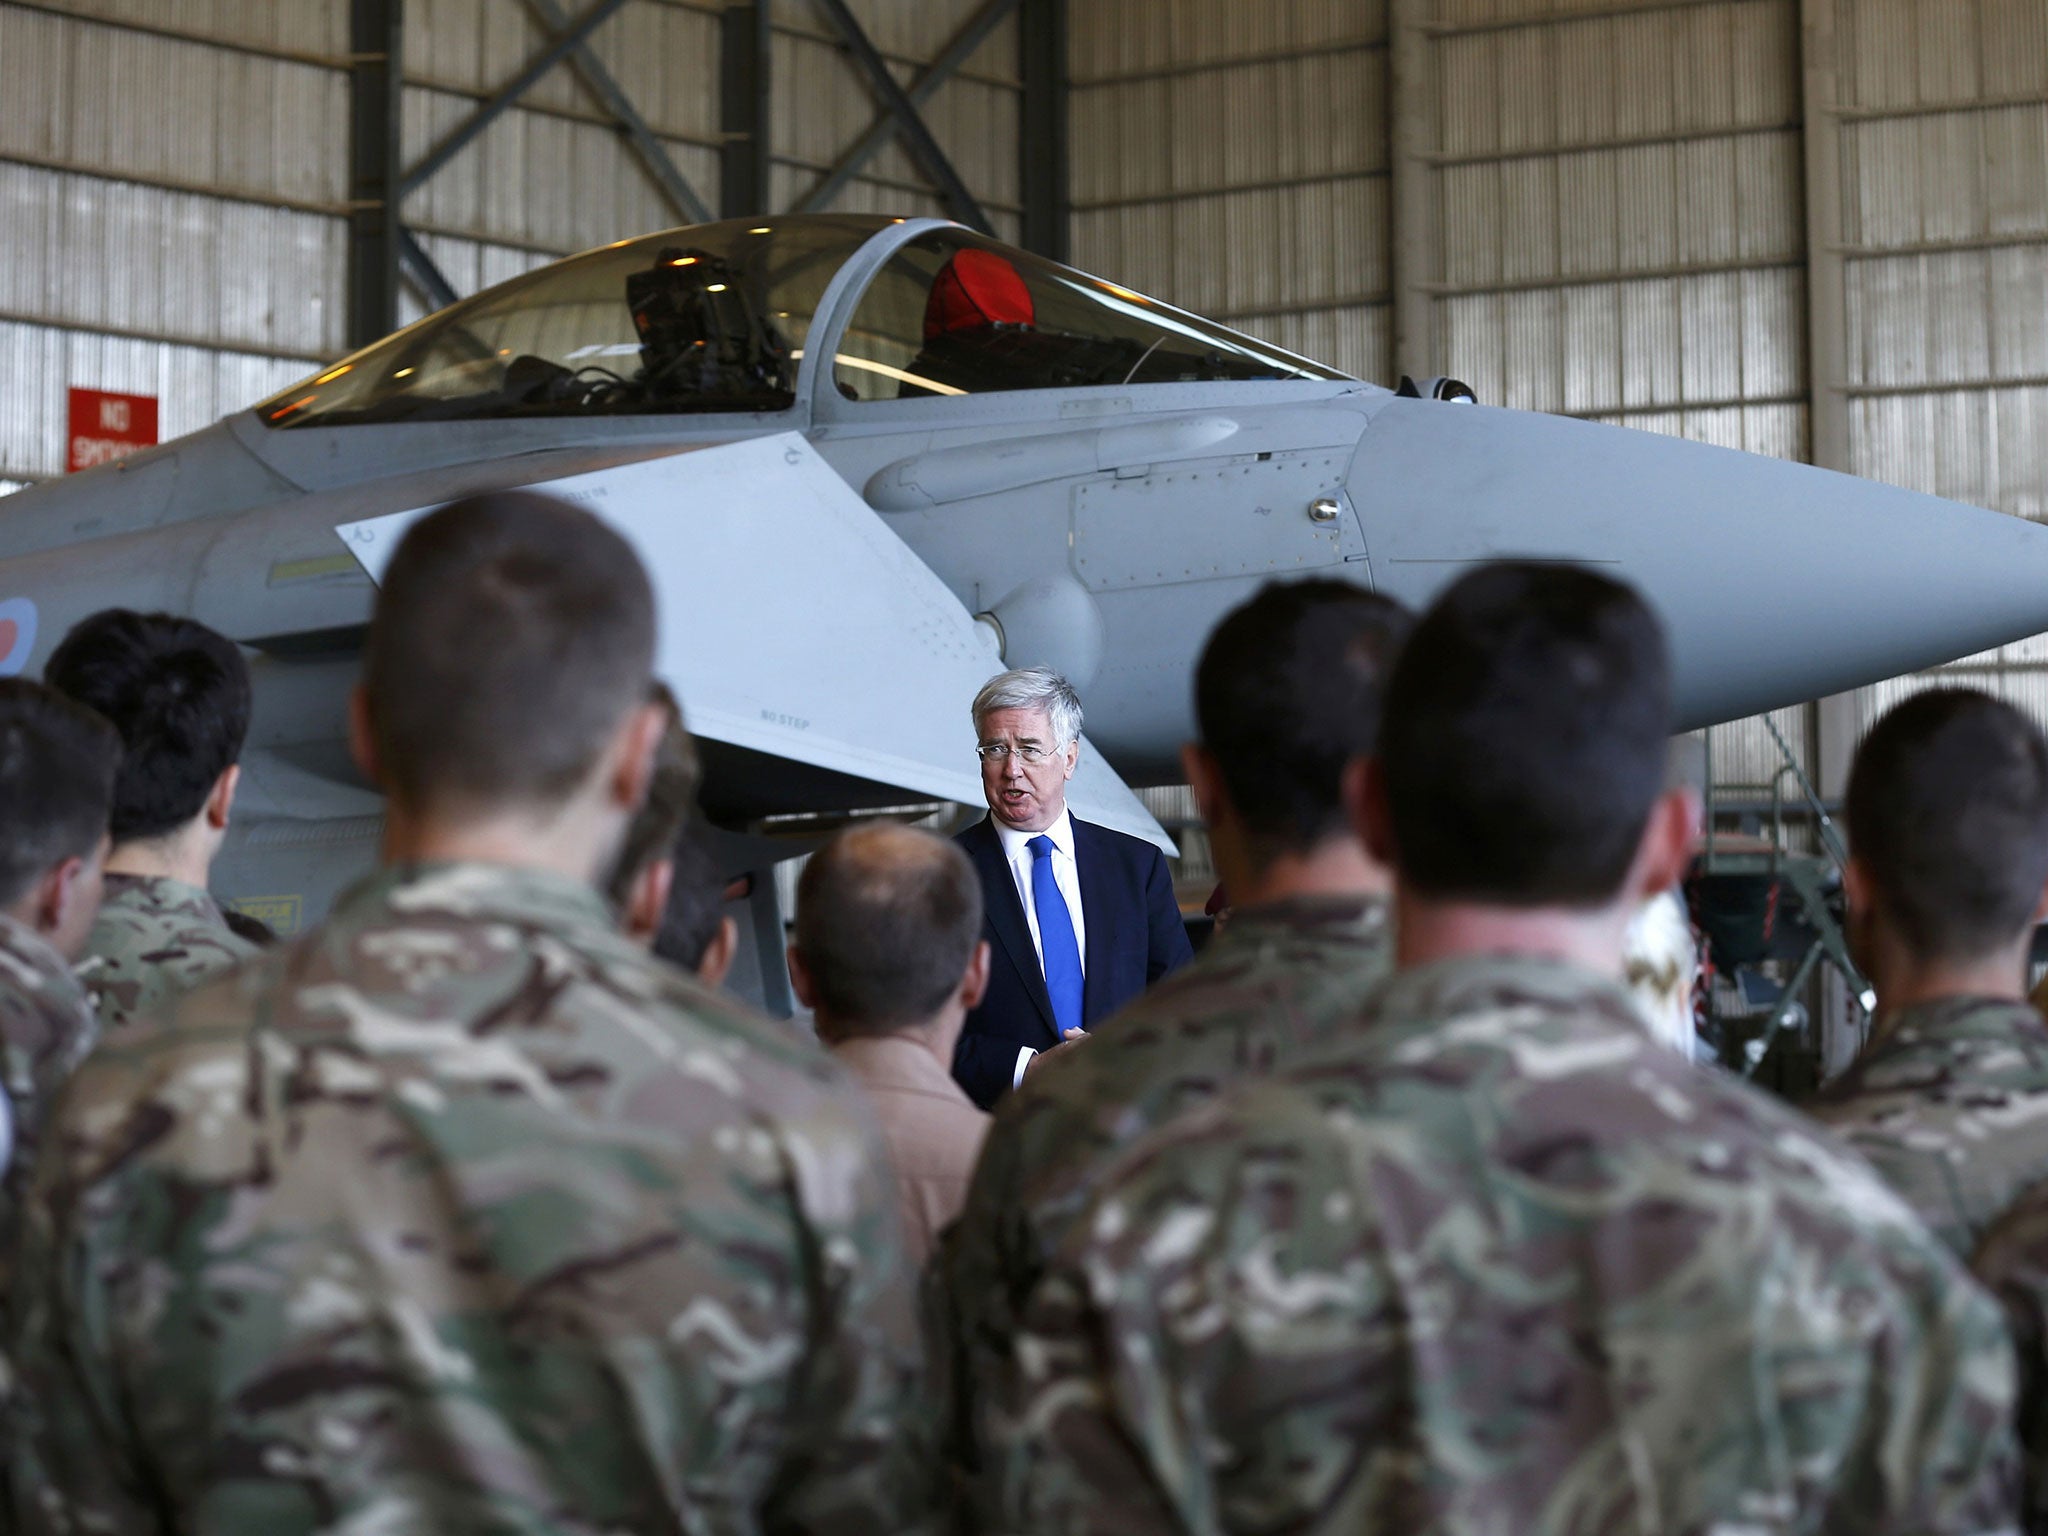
{"x": 58, "y": 761}
{"x": 1526, "y": 737}
{"x": 671, "y": 797}
{"x": 1287, "y": 692}
{"x": 1032, "y": 688}
{"x": 177, "y": 693}
{"x": 513, "y": 634}
{"x": 887, "y": 918}
{"x": 696, "y": 899}
{"x": 1947, "y": 809}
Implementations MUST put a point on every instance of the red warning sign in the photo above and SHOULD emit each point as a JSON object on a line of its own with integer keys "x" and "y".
{"x": 106, "y": 426}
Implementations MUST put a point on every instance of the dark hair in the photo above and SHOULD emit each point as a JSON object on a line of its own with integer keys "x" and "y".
{"x": 1286, "y": 693}
{"x": 696, "y": 899}
{"x": 178, "y": 694}
{"x": 513, "y": 633}
{"x": 1947, "y": 808}
{"x": 886, "y": 922}
{"x": 57, "y": 765}
{"x": 1526, "y": 737}
{"x": 671, "y": 796}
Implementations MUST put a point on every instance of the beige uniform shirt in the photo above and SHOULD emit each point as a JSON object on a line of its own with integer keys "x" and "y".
{"x": 933, "y": 1129}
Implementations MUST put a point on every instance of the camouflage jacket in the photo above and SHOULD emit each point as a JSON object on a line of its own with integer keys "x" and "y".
{"x": 1509, "y": 1265}
{"x": 1949, "y": 1101}
{"x": 1266, "y": 988}
{"x": 2012, "y": 1260}
{"x": 462, "y": 1214}
{"x": 46, "y": 1027}
{"x": 154, "y": 940}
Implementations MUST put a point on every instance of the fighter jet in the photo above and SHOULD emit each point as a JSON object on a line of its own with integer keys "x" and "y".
{"x": 877, "y": 459}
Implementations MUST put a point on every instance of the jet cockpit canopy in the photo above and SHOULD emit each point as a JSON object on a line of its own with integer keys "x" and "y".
{"x": 716, "y": 317}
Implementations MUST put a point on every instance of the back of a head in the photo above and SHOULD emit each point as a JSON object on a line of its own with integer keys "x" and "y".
{"x": 1526, "y": 737}
{"x": 1288, "y": 690}
{"x": 671, "y": 796}
{"x": 887, "y": 918}
{"x": 1947, "y": 810}
{"x": 57, "y": 765}
{"x": 513, "y": 634}
{"x": 696, "y": 899}
{"x": 178, "y": 694}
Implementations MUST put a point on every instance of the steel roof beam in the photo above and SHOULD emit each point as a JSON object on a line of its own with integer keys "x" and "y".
{"x": 653, "y": 153}
{"x": 465, "y": 132}
{"x": 884, "y": 128}
{"x": 917, "y": 137}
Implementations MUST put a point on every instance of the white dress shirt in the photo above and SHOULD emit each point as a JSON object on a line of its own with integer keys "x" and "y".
{"x": 1066, "y": 875}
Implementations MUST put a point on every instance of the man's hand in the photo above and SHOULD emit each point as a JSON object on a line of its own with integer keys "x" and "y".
{"x": 1068, "y": 1041}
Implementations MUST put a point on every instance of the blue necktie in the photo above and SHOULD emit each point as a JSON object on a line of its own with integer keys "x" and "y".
{"x": 1058, "y": 949}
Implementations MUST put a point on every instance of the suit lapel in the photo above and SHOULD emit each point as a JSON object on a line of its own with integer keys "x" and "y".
{"x": 1006, "y": 918}
{"x": 1099, "y": 916}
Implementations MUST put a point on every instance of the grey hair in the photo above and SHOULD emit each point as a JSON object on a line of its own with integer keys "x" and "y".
{"x": 1033, "y": 688}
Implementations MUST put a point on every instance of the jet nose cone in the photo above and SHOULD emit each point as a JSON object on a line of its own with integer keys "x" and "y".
{"x": 1778, "y": 582}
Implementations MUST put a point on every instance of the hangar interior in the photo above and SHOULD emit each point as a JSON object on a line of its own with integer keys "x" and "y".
{"x": 1816, "y": 229}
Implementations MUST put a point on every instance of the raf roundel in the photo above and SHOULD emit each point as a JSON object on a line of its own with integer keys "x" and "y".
{"x": 17, "y": 634}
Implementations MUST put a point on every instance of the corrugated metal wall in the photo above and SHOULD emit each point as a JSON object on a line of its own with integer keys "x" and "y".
{"x": 1233, "y": 158}
{"x": 1614, "y": 220}
{"x": 170, "y": 185}
{"x": 173, "y": 173}
{"x": 1943, "y": 150}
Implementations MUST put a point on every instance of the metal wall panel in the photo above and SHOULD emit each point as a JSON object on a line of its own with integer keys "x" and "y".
{"x": 99, "y": 253}
{"x": 1944, "y": 155}
{"x": 1233, "y": 159}
{"x": 821, "y": 103}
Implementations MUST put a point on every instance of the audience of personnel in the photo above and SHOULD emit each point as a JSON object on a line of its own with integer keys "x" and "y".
{"x": 464, "y": 1213}
{"x": 1507, "y": 1263}
{"x": 57, "y": 765}
{"x": 1947, "y": 813}
{"x": 1287, "y": 702}
{"x": 178, "y": 694}
{"x": 1057, "y": 891}
{"x": 889, "y": 958}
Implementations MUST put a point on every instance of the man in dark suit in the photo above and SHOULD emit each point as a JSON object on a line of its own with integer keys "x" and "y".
{"x": 1080, "y": 919}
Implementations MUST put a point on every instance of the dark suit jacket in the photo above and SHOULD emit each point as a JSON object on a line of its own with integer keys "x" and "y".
{"x": 1135, "y": 936}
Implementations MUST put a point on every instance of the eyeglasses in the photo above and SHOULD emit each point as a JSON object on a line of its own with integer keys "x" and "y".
{"x": 999, "y": 752}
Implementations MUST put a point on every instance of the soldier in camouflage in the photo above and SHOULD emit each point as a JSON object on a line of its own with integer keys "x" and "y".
{"x": 2012, "y": 1261}
{"x": 464, "y": 1213}
{"x": 1287, "y": 700}
{"x": 56, "y": 776}
{"x": 1506, "y": 1264}
{"x": 1947, "y": 811}
{"x": 179, "y": 695}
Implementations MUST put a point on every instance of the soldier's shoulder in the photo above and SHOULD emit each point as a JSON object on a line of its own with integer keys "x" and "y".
{"x": 775, "y": 1067}
{"x": 31, "y": 970}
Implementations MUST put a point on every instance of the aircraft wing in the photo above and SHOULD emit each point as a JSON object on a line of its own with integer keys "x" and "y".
{"x": 794, "y": 622}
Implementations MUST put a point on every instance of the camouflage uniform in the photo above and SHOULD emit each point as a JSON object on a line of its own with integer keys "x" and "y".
{"x": 1266, "y": 988}
{"x": 462, "y": 1214}
{"x": 156, "y": 939}
{"x": 1949, "y": 1101}
{"x": 1507, "y": 1265}
{"x": 2013, "y": 1261}
{"x": 46, "y": 1027}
